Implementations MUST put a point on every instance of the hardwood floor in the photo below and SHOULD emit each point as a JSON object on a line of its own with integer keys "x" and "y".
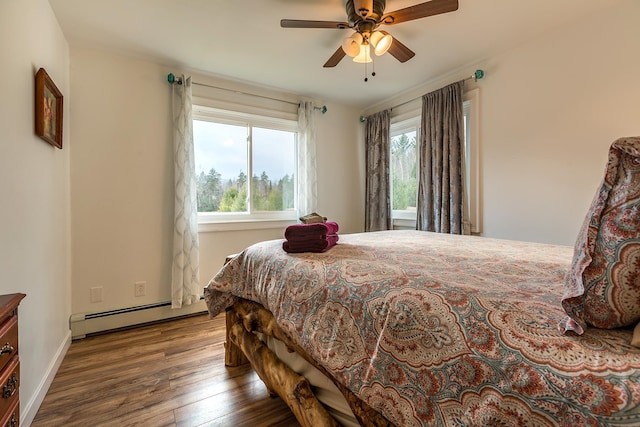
{"x": 167, "y": 374}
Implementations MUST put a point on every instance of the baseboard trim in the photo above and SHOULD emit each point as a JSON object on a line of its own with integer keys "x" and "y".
{"x": 30, "y": 410}
{"x": 83, "y": 324}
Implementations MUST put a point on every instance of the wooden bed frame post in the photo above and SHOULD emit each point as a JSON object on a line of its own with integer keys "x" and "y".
{"x": 243, "y": 346}
{"x": 233, "y": 356}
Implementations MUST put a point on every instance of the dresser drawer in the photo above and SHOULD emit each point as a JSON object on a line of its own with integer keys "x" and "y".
{"x": 12, "y": 417}
{"x": 9, "y": 361}
{"x": 9, "y": 383}
{"x": 8, "y": 340}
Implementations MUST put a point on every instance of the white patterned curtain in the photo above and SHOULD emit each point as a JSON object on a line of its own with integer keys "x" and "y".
{"x": 185, "y": 281}
{"x": 307, "y": 190}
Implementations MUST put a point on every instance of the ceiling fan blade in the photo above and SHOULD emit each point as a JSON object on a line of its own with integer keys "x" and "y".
{"x": 302, "y": 23}
{"x": 335, "y": 58}
{"x": 422, "y": 10}
{"x": 399, "y": 51}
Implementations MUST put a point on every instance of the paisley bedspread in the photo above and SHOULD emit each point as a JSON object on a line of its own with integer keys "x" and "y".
{"x": 443, "y": 330}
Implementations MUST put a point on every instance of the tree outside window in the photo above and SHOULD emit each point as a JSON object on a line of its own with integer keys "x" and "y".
{"x": 403, "y": 170}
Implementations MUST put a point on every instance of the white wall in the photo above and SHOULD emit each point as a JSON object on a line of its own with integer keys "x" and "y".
{"x": 34, "y": 219}
{"x": 549, "y": 110}
{"x": 122, "y": 178}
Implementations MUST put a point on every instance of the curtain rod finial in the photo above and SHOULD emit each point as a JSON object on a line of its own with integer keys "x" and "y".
{"x": 479, "y": 74}
{"x": 171, "y": 78}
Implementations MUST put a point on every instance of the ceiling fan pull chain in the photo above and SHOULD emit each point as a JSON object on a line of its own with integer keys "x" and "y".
{"x": 366, "y": 79}
{"x": 373, "y": 67}
{"x": 366, "y": 54}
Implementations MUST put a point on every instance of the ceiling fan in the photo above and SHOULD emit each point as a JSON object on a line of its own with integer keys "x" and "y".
{"x": 364, "y": 17}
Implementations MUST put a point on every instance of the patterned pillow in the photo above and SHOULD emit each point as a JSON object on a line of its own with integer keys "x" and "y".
{"x": 602, "y": 286}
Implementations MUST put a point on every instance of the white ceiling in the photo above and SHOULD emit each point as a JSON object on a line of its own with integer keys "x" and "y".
{"x": 242, "y": 39}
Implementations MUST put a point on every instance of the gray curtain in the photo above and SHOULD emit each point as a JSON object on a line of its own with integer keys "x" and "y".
{"x": 440, "y": 180}
{"x": 377, "y": 215}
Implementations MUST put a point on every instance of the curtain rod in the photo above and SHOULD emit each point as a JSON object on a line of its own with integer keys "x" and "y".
{"x": 172, "y": 79}
{"x": 477, "y": 75}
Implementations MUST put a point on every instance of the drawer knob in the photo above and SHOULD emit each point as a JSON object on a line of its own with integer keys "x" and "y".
{"x": 10, "y": 387}
{"x": 6, "y": 349}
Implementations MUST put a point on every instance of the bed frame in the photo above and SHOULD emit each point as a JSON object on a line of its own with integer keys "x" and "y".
{"x": 243, "y": 346}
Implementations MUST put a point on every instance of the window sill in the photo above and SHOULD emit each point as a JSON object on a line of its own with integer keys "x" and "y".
{"x": 402, "y": 223}
{"x": 242, "y": 225}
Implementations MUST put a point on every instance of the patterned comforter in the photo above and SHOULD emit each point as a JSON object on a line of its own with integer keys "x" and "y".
{"x": 443, "y": 330}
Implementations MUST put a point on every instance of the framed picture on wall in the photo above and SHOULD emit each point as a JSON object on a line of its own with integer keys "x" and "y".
{"x": 48, "y": 109}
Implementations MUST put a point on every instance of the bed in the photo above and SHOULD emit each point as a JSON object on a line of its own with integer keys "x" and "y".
{"x": 423, "y": 329}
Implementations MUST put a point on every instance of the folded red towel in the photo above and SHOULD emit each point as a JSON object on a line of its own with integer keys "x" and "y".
{"x": 332, "y": 226}
{"x": 330, "y": 239}
{"x": 316, "y": 245}
{"x": 311, "y": 231}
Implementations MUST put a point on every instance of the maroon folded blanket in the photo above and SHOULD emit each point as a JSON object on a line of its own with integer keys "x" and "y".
{"x": 316, "y": 245}
{"x": 311, "y": 231}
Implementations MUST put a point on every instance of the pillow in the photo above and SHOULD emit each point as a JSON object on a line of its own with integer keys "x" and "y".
{"x": 635, "y": 339}
{"x": 602, "y": 286}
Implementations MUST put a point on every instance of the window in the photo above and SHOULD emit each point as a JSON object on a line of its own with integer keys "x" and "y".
{"x": 404, "y": 164}
{"x": 245, "y": 166}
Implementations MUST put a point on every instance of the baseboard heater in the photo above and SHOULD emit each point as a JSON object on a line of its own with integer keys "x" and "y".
{"x": 83, "y": 324}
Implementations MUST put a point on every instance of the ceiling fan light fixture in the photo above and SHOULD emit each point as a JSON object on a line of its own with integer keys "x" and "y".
{"x": 364, "y": 16}
{"x": 351, "y": 45}
{"x": 381, "y": 42}
{"x": 365, "y": 54}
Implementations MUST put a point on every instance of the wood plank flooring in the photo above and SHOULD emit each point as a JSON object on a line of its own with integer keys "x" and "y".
{"x": 166, "y": 374}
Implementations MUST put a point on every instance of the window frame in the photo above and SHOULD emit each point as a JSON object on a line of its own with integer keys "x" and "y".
{"x": 471, "y": 105}
{"x": 224, "y": 221}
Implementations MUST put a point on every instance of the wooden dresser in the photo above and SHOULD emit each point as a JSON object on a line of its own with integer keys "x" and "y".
{"x": 9, "y": 360}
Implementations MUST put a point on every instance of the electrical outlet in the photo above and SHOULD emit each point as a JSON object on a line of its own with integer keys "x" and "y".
{"x": 96, "y": 294}
{"x": 140, "y": 289}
